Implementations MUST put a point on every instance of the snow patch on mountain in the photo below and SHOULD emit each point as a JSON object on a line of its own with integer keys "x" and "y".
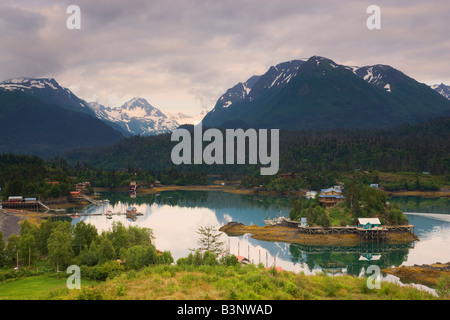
{"x": 442, "y": 89}
{"x": 48, "y": 90}
{"x": 24, "y": 84}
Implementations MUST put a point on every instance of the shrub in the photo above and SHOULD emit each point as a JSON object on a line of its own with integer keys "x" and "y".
{"x": 90, "y": 293}
{"x": 229, "y": 260}
{"x": 106, "y": 270}
{"x": 442, "y": 287}
{"x": 140, "y": 256}
{"x": 120, "y": 290}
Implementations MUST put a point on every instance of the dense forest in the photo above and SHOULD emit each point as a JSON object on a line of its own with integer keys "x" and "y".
{"x": 421, "y": 147}
{"x": 319, "y": 158}
{"x": 30, "y": 176}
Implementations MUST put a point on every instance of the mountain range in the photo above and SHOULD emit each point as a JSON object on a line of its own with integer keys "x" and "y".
{"x": 39, "y": 116}
{"x": 320, "y": 94}
{"x": 135, "y": 117}
{"x": 49, "y": 91}
{"x": 29, "y": 125}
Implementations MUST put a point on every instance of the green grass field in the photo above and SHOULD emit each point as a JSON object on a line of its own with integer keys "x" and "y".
{"x": 35, "y": 288}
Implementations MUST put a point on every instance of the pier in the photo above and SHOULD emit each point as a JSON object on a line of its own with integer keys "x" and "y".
{"x": 99, "y": 214}
{"x": 372, "y": 234}
{"x": 23, "y": 205}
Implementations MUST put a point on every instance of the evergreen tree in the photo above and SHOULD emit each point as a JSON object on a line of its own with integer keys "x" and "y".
{"x": 209, "y": 240}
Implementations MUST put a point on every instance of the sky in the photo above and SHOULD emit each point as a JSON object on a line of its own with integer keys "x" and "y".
{"x": 182, "y": 55}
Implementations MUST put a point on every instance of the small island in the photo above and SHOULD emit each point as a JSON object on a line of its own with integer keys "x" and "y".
{"x": 340, "y": 215}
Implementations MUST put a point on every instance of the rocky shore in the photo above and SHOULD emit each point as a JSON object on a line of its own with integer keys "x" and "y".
{"x": 427, "y": 275}
{"x": 9, "y": 224}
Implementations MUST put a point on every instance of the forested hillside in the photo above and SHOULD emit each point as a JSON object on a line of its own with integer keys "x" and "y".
{"x": 416, "y": 148}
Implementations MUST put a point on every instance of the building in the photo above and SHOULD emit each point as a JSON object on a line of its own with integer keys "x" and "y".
{"x": 75, "y": 194}
{"x": 374, "y": 185}
{"x": 82, "y": 186}
{"x": 304, "y": 222}
{"x": 15, "y": 199}
{"x": 331, "y": 196}
{"x": 368, "y": 223}
{"x": 156, "y": 183}
{"x": 243, "y": 260}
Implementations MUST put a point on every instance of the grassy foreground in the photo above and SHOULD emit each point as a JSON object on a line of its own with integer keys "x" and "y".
{"x": 211, "y": 283}
{"x": 35, "y": 288}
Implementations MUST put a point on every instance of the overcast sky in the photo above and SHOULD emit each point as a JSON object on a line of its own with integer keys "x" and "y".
{"x": 181, "y": 55}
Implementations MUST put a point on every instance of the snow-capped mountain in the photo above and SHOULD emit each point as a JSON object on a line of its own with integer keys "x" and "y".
{"x": 39, "y": 117}
{"x": 182, "y": 118}
{"x": 49, "y": 91}
{"x": 137, "y": 116}
{"x": 318, "y": 93}
{"x": 442, "y": 89}
{"x": 275, "y": 78}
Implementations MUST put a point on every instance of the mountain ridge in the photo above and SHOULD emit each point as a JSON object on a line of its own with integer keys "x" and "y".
{"x": 442, "y": 89}
{"x": 49, "y": 91}
{"x": 320, "y": 94}
{"x": 28, "y": 125}
{"x": 136, "y": 116}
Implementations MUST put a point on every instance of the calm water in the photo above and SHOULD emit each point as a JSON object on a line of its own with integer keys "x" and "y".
{"x": 175, "y": 217}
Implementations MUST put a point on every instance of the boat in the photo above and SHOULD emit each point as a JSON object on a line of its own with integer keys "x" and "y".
{"x": 274, "y": 221}
{"x": 108, "y": 214}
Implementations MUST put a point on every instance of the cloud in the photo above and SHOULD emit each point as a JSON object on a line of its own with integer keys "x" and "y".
{"x": 182, "y": 55}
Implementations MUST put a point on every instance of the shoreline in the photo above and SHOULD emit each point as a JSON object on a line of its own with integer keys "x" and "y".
{"x": 424, "y": 194}
{"x": 10, "y": 224}
{"x": 238, "y": 189}
{"x": 427, "y": 275}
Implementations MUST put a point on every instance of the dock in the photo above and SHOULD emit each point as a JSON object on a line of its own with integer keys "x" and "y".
{"x": 373, "y": 234}
{"x": 98, "y": 214}
{"x": 23, "y": 205}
